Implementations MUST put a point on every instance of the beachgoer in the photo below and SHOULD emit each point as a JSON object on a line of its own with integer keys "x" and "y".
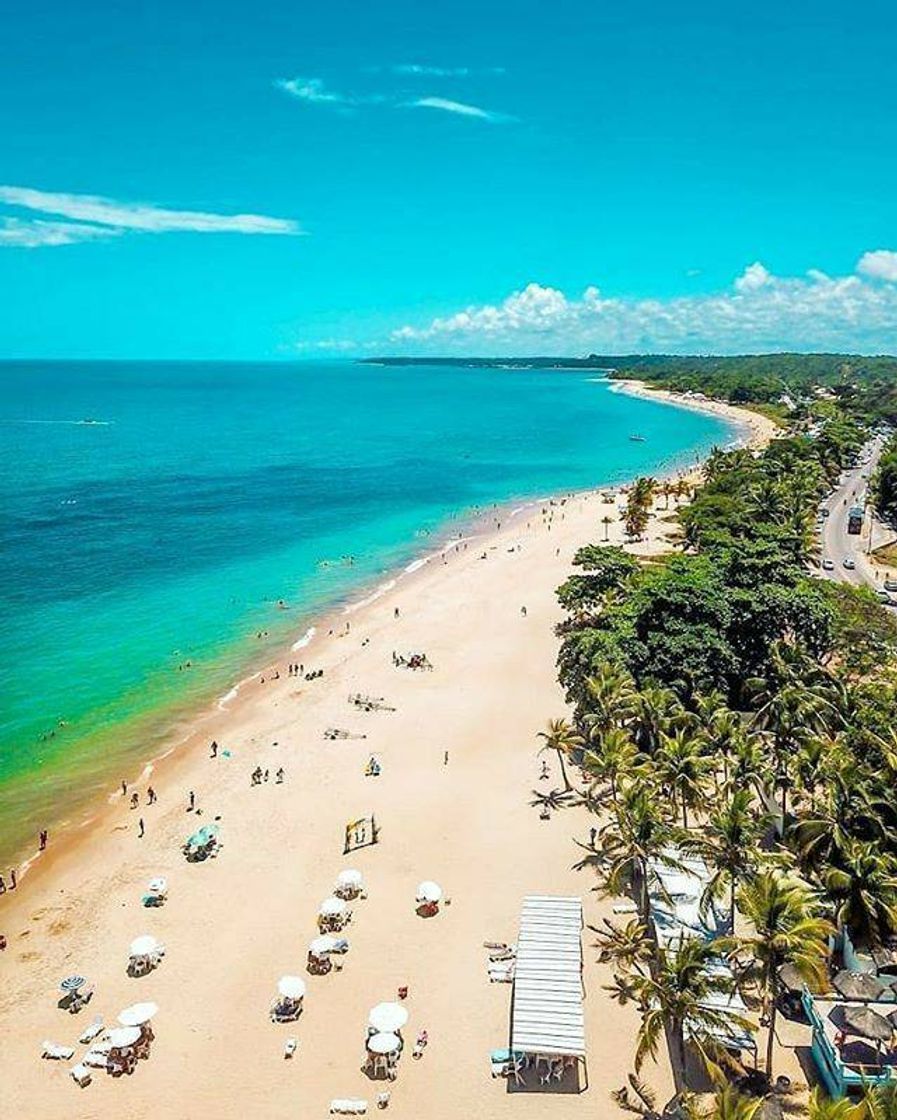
{"x": 2, "y": 942}
{"x": 12, "y": 879}
{"x": 395, "y": 613}
{"x": 135, "y": 799}
{"x": 593, "y": 832}
{"x": 278, "y": 777}
{"x": 445, "y": 759}
{"x": 214, "y": 749}
{"x": 266, "y": 775}
{"x": 44, "y": 837}
{"x": 141, "y": 828}
{"x": 192, "y": 804}
{"x": 523, "y": 611}
{"x": 151, "y": 796}
{"x": 403, "y": 992}
{"x": 2, "y": 885}
{"x": 124, "y": 788}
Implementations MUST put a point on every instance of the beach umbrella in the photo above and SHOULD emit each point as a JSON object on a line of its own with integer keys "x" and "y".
{"x": 858, "y": 985}
{"x": 291, "y": 987}
{"x": 322, "y": 945}
{"x": 866, "y": 1023}
{"x": 384, "y": 1043}
{"x": 138, "y": 1014}
{"x": 120, "y": 1037}
{"x": 428, "y": 891}
{"x": 159, "y": 885}
{"x": 72, "y": 983}
{"x": 333, "y": 907}
{"x": 350, "y": 878}
{"x": 143, "y": 946}
{"x": 388, "y": 1017}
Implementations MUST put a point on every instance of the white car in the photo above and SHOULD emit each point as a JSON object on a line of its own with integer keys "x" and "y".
{"x": 849, "y": 563}
{"x": 828, "y": 565}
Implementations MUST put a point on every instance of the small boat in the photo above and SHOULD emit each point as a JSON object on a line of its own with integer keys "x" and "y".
{"x": 637, "y": 438}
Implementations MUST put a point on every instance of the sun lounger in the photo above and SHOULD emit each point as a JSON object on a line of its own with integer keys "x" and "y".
{"x": 383, "y": 1099}
{"x": 57, "y": 1053}
{"x": 348, "y": 1107}
{"x": 502, "y": 972}
{"x": 90, "y": 1033}
{"x": 81, "y": 1075}
{"x": 96, "y": 1059}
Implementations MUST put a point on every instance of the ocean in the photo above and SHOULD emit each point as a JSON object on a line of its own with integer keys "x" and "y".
{"x": 154, "y": 514}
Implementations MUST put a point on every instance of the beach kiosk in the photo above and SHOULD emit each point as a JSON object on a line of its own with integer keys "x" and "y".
{"x": 547, "y": 1023}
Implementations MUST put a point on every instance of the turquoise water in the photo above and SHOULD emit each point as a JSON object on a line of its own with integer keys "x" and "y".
{"x": 167, "y": 531}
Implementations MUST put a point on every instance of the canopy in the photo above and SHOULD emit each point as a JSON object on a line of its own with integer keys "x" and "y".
{"x": 72, "y": 983}
{"x": 138, "y": 1014}
{"x": 388, "y": 1017}
{"x": 866, "y": 1023}
{"x": 119, "y": 1037}
{"x": 428, "y": 891}
{"x": 384, "y": 1043}
{"x": 159, "y": 885}
{"x": 349, "y": 878}
{"x": 322, "y": 945}
{"x": 858, "y": 985}
{"x": 291, "y": 987}
{"x": 333, "y": 907}
{"x": 143, "y": 946}
{"x": 547, "y": 1015}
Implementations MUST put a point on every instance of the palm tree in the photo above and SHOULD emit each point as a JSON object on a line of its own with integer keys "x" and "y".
{"x": 863, "y": 889}
{"x": 607, "y": 522}
{"x": 681, "y": 768}
{"x": 879, "y": 1103}
{"x": 822, "y": 1107}
{"x": 610, "y": 699}
{"x": 676, "y": 996}
{"x": 655, "y": 709}
{"x": 728, "y": 843}
{"x": 615, "y": 757}
{"x": 562, "y": 738}
{"x": 729, "y": 1104}
{"x": 638, "y": 833}
{"x": 787, "y": 929}
{"x": 627, "y": 947}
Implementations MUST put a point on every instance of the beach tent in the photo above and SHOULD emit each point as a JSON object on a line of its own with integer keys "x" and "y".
{"x": 546, "y": 1010}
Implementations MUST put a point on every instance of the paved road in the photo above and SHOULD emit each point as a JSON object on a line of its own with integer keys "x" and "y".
{"x": 836, "y": 543}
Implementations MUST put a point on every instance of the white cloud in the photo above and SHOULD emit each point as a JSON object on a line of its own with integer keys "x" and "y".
{"x": 458, "y": 107}
{"x": 754, "y": 277}
{"x": 761, "y": 312}
{"x": 881, "y": 264}
{"x": 35, "y": 233}
{"x": 418, "y": 70}
{"x": 140, "y": 216}
{"x": 313, "y": 91}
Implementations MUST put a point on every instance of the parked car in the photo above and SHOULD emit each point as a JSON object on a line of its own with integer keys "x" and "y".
{"x": 828, "y": 565}
{"x": 849, "y": 563}
{"x": 891, "y": 584}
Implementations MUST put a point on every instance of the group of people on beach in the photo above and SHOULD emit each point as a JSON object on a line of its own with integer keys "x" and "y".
{"x": 299, "y": 671}
{"x": 258, "y": 776}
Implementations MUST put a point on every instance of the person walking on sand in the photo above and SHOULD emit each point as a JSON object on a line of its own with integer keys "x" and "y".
{"x": 445, "y": 759}
{"x": 44, "y": 837}
{"x": 141, "y": 829}
{"x": 151, "y": 798}
{"x": 12, "y": 878}
{"x": 135, "y": 800}
{"x": 278, "y": 777}
{"x": 214, "y": 749}
{"x": 124, "y": 788}
{"x": 192, "y": 799}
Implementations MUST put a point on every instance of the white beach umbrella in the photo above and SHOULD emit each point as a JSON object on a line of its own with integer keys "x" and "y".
{"x": 384, "y": 1043}
{"x": 333, "y": 907}
{"x": 388, "y": 1017}
{"x": 350, "y": 878}
{"x": 428, "y": 891}
{"x": 120, "y": 1037}
{"x": 138, "y": 1014}
{"x": 322, "y": 945}
{"x": 291, "y": 987}
{"x": 143, "y": 946}
{"x": 159, "y": 885}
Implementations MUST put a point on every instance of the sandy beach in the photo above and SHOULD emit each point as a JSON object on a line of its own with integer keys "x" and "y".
{"x": 459, "y": 765}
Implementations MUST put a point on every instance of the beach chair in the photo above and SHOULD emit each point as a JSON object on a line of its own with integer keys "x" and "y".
{"x": 81, "y": 1075}
{"x": 56, "y": 1053}
{"x": 90, "y": 1032}
{"x": 96, "y": 1059}
{"x": 502, "y": 972}
{"x": 81, "y": 998}
{"x": 383, "y": 1099}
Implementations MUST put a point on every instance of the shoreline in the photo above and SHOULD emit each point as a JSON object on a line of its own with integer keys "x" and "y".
{"x": 453, "y": 803}
{"x": 188, "y": 721}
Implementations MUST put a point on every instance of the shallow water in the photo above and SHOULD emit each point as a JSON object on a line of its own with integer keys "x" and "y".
{"x": 166, "y": 531}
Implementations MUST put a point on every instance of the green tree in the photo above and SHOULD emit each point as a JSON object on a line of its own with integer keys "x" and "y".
{"x": 562, "y": 738}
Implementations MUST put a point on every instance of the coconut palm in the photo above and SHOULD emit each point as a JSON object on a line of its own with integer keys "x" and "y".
{"x": 627, "y": 947}
{"x": 822, "y": 1107}
{"x": 879, "y": 1103}
{"x": 729, "y": 1104}
{"x": 655, "y": 709}
{"x": 684, "y": 770}
{"x": 607, "y": 522}
{"x": 728, "y": 843}
{"x": 638, "y": 833}
{"x": 676, "y": 997}
{"x": 562, "y": 738}
{"x": 610, "y": 699}
{"x": 786, "y": 929}
{"x": 863, "y": 889}
{"x": 615, "y": 756}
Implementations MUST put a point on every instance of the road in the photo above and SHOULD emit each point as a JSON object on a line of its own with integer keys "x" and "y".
{"x": 836, "y": 543}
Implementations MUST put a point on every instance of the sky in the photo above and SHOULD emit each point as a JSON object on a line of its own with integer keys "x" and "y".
{"x": 288, "y": 180}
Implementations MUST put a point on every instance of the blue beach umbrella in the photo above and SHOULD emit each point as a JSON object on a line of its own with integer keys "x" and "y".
{"x": 72, "y": 983}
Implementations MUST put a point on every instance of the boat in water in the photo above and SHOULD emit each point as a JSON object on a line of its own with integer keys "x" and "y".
{"x": 636, "y": 438}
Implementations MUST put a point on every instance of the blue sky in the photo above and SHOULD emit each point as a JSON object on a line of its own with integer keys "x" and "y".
{"x": 465, "y": 178}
